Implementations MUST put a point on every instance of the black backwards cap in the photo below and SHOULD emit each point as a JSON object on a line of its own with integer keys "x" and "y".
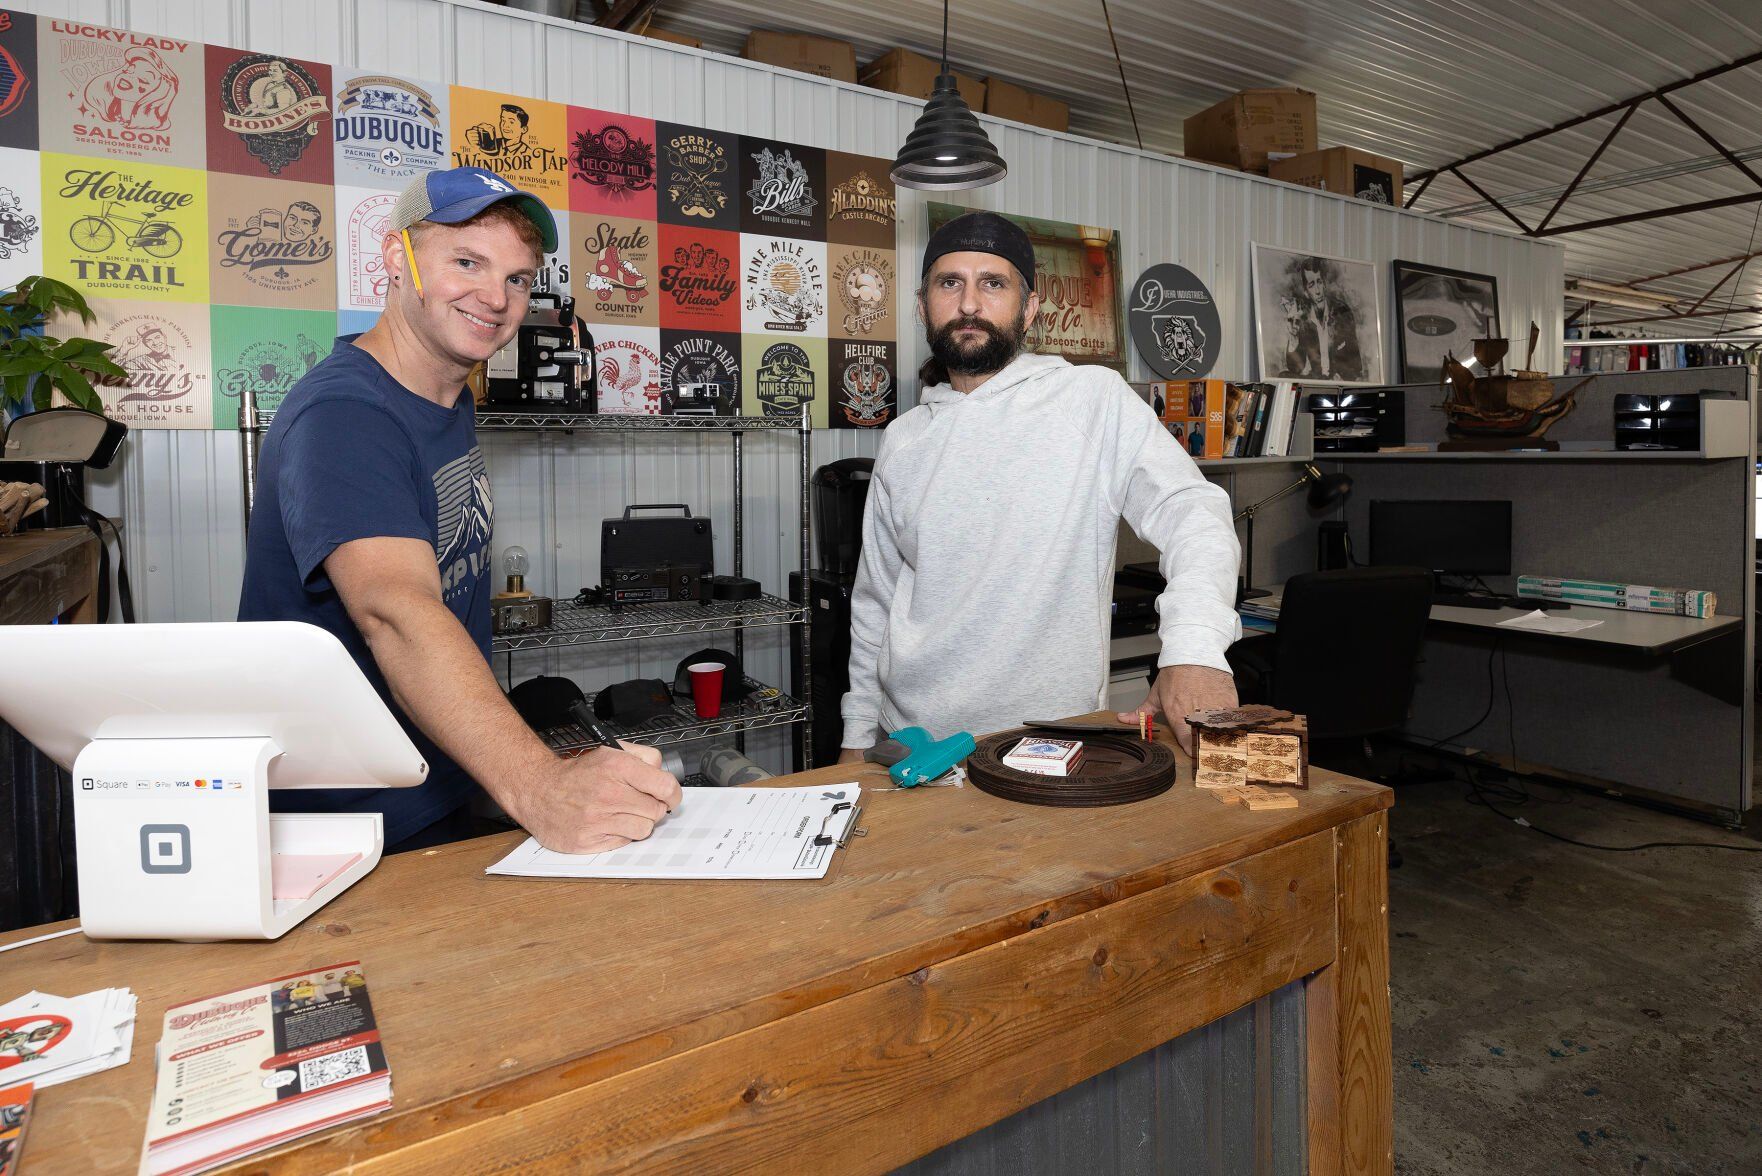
{"x": 983, "y": 232}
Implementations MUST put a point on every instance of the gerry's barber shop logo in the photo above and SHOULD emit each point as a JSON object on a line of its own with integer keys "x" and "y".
{"x": 697, "y": 171}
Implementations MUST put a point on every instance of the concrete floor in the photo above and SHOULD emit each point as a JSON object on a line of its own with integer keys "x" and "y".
{"x": 1558, "y": 1009}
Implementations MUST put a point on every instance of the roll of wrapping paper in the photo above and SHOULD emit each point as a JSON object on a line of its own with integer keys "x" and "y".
{"x": 1116, "y": 769}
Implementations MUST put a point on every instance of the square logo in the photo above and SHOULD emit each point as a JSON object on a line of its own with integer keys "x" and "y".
{"x": 165, "y": 849}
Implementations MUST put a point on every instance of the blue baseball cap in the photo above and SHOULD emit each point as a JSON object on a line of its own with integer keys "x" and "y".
{"x": 457, "y": 194}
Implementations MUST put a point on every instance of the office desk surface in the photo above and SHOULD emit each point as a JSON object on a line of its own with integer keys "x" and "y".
{"x": 966, "y": 958}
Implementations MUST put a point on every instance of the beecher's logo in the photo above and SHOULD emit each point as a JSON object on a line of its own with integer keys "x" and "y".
{"x": 277, "y": 247}
{"x": 866, "y": 386}
{"x": 614, "y": 160}
{"x": 781, "y": 189}
{"x": 122, "y": 86}
{"x": 699, "y": 276}
{"x": 630, "y": 378}
{"x": 389, "y": 127}
{"x": 367, "y": 225}
{"x": 699, "y": 377}
{"x": 860, "y": 198}
{"x": 785, "y": 380}
{"x": 864, "y": 279}
{"x": 274, "y": 105}
{"x": 784, "y": 282}
{"x": 695, "y": 167}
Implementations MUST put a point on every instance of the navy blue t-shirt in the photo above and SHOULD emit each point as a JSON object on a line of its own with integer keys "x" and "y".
{"x": 353, "y": 454}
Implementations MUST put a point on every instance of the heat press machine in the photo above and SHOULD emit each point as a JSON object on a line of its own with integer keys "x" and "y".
{"x": 174, "y": 735}
{"x": 913, "y": 757}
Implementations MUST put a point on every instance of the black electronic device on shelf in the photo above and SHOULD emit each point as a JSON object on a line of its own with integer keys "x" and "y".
{"x": 1354, "y": 420}
{"x": 547, "y": 366}
{"x": 1658, "y": 422}
{"x": 656, "y": 559}
{"x": 53, "y": 448}
{"x": 840, "y": 493}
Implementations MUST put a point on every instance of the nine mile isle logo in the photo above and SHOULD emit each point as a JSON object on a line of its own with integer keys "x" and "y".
{"x": 387, "y": 129}
{"x": 785, "y": 289}
{"x": 864, "y": 281}
{"x": 785, "y": 380}
{"x": 697, "y": 177}
{"x": 281, "y": 250}
{"x": 274, "y": 105}
{"x": 700, "y": 376}
{"x": 614, "y": 160}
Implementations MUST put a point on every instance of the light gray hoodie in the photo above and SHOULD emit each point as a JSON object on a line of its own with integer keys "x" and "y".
{"x": 986, "y": 581}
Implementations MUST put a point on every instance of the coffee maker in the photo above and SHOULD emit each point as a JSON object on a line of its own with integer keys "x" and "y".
{"x": 840, "y": 492}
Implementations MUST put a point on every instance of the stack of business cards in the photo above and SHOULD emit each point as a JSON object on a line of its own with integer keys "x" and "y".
{"x": 50, "y": 1039}
{"x": 15, "y": 1116}
{"x": 1045, "y": 757}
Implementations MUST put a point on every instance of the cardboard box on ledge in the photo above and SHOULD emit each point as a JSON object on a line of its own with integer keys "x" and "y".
{"x": 673, "y": 38}
{"x": 1243, "y": 128}
{"x": 822, "y": 56}
{"x": 1020, "y": 104}
{"x": 1345, "y": 170}
{"x": 914, "y": 75}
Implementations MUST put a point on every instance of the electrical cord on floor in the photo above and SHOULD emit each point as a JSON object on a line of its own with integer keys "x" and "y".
{"x": 1474, "y": 784}
{"x": 1492, "y": 696}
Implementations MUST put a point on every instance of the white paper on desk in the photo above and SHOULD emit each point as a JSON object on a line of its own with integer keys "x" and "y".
{"x": 714, "y": 833}
{"x": 1541, "y": 622}
{"x": 51, "y": 1039}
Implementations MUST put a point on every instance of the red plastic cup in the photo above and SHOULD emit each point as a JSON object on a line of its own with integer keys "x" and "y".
{"x": 706, "y": 688}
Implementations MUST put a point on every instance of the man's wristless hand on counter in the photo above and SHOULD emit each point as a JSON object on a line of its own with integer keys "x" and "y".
{"x": 603, "y": 799}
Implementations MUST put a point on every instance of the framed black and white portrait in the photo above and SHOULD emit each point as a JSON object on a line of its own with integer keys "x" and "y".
{"x": 1317, "y": 318}
{"x": 1441, "y": 312}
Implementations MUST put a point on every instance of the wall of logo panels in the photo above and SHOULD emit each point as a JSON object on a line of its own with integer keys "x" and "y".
{"x": 223, "y": 212}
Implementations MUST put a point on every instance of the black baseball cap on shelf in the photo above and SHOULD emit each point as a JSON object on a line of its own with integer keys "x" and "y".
{"x": 734, "y": 684}
{"x": 635, "y": 701}
{"x": 544, "y": 702}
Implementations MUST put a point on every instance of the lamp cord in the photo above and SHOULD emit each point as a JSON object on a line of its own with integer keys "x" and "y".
{"x": 945, "y": 36}
{"x": 1130, "y": 109}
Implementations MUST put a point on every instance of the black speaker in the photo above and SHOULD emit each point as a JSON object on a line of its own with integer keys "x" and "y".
{"x": 1331, "y": 550}
{"x": 828, "y": 599}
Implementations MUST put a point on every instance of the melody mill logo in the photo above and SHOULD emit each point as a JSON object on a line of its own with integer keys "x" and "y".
{"x": 786, "y": 285}
{"x": 785, "y": 379}
{"x": 274, "y": 105}
{"x": 867, "y": 386}
{"x": 694, "y": 165}
{"x": 121, "y": 84}
{"x": 781, "y": 188}
{"x": 275, "y": 246}
{"x": 865, "y": 286}
{"x": 508, "y": 145}
{"x": 860, "y": 198}
{"x": 698, "y": 276}
{"x": 389, "y": 126}
{"x": 615, "y": 161}
{"x": 131, "y": 213}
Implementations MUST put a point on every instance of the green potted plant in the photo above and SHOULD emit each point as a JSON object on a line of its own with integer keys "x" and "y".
{"x": 36, "y": 365}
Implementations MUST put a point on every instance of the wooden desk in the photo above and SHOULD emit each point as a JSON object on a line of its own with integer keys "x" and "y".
{"x": 49, "y": 574}
{"x": 965, "y": 959}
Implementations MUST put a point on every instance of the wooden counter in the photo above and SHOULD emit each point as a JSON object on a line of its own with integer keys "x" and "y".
{"x": 49, "y": 574}
{"x": 965, "y": 959}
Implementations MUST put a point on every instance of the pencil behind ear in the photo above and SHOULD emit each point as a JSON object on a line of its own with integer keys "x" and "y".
{"x": 410, "y": 260}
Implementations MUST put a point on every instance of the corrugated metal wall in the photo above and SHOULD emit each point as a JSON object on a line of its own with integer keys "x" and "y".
{"x": 180, "y": 491}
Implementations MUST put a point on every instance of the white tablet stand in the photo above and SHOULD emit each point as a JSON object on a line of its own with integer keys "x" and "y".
{"x": 175, "y": 734}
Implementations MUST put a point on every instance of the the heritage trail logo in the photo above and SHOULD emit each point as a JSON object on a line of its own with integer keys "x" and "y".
{"x": 389, "y": 127}
{"x": 163, "y": 383}
{"x": 274, "y": 105}
{"x": 366, "y": 278}
{"x": 866, "y": 394}
{"x": 122, "y": 87}
{"x": 864, "y": 280}
{"x": 614, "y": 161}
{"x": 279, "y": 249}
{"x": 617, "y": 262}
{"x": 125, "y": 232}
{"x": 785, "y": 285}
{"x": 508, "y": 145}
{"x": 695, "y": 167}
{"x": 781, "y": 189}
{"x": 18, "y": 228}
{"x": 785, "y": 380}
{"x": 630, "y": 377}
{"x": 699, "y": 276}
{"x": 860, "y": 198}
{"x": 700, "y": 376}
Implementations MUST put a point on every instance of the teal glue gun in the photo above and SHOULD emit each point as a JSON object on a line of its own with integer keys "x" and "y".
{"x": 926, "y": 758}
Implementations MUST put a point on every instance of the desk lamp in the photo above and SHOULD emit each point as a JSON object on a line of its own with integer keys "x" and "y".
{"x": 1324, "y": 490}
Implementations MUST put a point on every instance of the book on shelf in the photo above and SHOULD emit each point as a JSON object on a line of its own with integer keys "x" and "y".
{"x": 1193, "y": 412}
{"x": 1682, "y": 602}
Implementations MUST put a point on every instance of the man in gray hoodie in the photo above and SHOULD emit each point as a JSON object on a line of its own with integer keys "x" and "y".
{"x": 983, "y": 597}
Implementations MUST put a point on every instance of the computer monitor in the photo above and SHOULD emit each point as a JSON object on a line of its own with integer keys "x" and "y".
{"x": 1450, "y": 537}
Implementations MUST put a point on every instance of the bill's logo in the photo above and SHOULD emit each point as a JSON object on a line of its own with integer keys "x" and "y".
{"x": 508, "y": 145}
{"x": 130, "y": 216}
{"x": 274, "y": 105}
{"x": 276, "y": 247}
{"x": 781, "y": 189}
{"x": 122, "y": 85}
{"x": 699, "y": 276}
{"x": 389, "y": 127}
{"x": 785, "y": 380}
{"x": 860, "y": 198}
{"x": 866, "y": 386}
{"x": 864, "y": 280}
{"x": 786, "y": 285}
{"x": 157, "y": 354}
{"x": 614, "y": 160}
{"x": 695, "y": 167}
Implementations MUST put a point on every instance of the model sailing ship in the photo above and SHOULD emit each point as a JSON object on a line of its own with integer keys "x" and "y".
{"x": 1502, "y": 410}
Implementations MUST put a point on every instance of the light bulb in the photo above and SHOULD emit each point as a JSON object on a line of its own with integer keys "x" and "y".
{"x": 514, "y": 562}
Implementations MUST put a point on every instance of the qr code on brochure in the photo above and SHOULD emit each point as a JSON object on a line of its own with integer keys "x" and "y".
{"x": 317, "y": 1073}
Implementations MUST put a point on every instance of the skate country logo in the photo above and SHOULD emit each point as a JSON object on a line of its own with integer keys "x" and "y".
{"x": 860, "y": 198}
{"x": 630, "y": 380}
{"x": 269, "y": 367}
{"x": 781, "y": 188}
{"x": 274, "y": 105}
{"x": 785, "y": 283}
{"x": 121, "y": 86}
{"x": 156, "y": 354}
{"x": 865, "y": 286}
{"x": 615, "y": 161}
{"x": 131, "y": 217}
{"x": 867, "y": 387}
{"x": 785, "y": 380}
{"x": 276, "y": 246}
{"x": 695, "y": 164}
{"x": 18, "y": 228}
{"x": 613, "y": 273}
{"x": 699, "y": 276}
{"x": 389, "y": 127}
{"x": 366, "y": 228}
{"x": 507, "y": 145}
{"x": 699, "y": 377}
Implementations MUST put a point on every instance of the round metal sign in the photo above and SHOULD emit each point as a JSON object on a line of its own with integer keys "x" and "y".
{"x": 1174, "y": 322}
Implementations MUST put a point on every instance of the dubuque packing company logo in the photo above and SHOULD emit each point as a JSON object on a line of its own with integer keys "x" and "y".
{"x": 613, "y": 160}
{"x": 162, "y": 382}
{"x": 274, "y": 105}
{"x": 283, "y": 250}
{"x": 389, "y": 128}
{"x": 785, "y": 286}
{"x": 785, "y": 380}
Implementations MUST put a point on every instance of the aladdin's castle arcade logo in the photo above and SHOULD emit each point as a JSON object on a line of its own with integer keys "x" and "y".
{"x": 699, "y": 276}
{"x": 786, "y": 285}
{"x": 275, "y": 247}
{"x": 121, "y": 85}
{"x": 614, "y": 160}
{"x": 389, "y": 127}
{"x": 860, "y": 198}
{"x": 274, "y": 105}
{"x": 865, "y": 287}
{"x": 866, "y": 386}
{"x": 785, "y": 380}
{"x": 781, "y": 189}
{"x": 695, "y": 167}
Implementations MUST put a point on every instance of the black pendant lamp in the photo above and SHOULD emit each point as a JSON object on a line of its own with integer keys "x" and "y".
{"x": 947, "y": 149}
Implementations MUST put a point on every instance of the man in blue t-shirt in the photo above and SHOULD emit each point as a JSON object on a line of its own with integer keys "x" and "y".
{"x": 373, "y": 516}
